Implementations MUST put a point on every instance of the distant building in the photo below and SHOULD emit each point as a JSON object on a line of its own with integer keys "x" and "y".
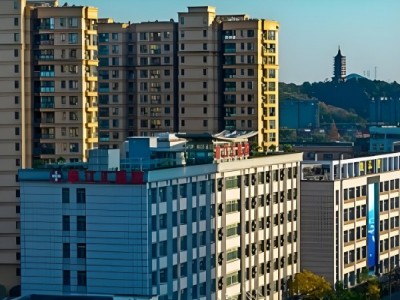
{"x": 350, "y": 217}
{"x": 298, "y": 114}
{"x": 339, "y": 67}
{"x": 384, "y": 110}
{"x": 325, "y": 151}
{"x": 383, "y": 139}
{"x": 180, "y": 218}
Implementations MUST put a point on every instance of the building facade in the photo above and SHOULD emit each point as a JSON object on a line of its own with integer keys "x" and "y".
{"x": 350, "y": 217}
{"x": 48, "y": 92}
{"x": 384, "y": 139}
{"x": 203, "y": 74}
{"x": 298, "y": 114}
{"x": 195, "y": 230}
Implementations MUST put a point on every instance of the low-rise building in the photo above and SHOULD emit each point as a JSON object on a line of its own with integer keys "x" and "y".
{"x": 350, "y": 217}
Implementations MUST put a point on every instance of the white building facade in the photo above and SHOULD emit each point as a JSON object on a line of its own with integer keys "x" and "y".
{"x": 350, "y": 217}
{"x": 224, "y": 230}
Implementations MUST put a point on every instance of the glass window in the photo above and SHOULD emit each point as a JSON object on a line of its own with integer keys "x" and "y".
{"x": 81, "y": 223}
{"x": 65, "y": 195}
{"x": 80, "y": 195}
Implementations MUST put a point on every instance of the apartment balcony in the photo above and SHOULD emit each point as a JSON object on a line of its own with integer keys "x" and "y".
{"x": 44, "y": 90}
{"x": 91, "y": 77}
{"x": 91, "y": 140}
{"x": 44, "y": 74}
{"x": 91, "y": 93}
{"x": 44, "y": 151}
{"x": 47, "y": 136}
{"x": 45, "y": 105}
{"x": 91, "y": 107}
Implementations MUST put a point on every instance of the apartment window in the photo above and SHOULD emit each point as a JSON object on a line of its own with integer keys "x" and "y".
{"x": 16, "y": 37}
{"x": 182, "y": 20}
{"x": 182, "y": 46}
{"x": 72, "y": 38}
{"x": 66, "y": 250}
{"x": 204, "y": 97}
{"x": 65, "y": 223}
{"x": 204, "y": 85}
{"x": 73, "y": 22}
{"x": 65, "y": 195}
{"x": 114, "y": 36}
{"x": 81, "y": 250}
{"x": 182, "y": 123}
{"x": 204, "y": 59}
{"x": 18, "y": 162}
{"x": 16, "y": 84}
{"x": 205, "y": 123}
{"x": 16, "y": 131}
{"x": 16, "y": 68}
{"x": 204, "y": 33}
{"x": 16, "y": 53}
{"x": 80, "y": 195}
{"x": 204, "y": 72}
{"x": 73, "y": 84}
{"x": 182, "y": 59}
{"x": 17, "y": 147}
{"x": 81, "y": 278}
{"x": 205, "y": 46}
{"x": 72, "y": 53}
{"x": 17, "y": 193}
{"x": 81, "y": 223}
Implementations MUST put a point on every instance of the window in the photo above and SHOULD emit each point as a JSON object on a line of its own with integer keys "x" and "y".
{"x": 16, "y": 37}
{"x": 232, "y": 278}
{"x": 73, "y": 22}
{"x": 16, "y": 84}
{"x": 66, "y": 223}
{"x": 80, "y": 195}
{"x": 81, "y": 223}
{"x": 66, "y": 277}
{"x": 73, "y": 147}
{"x": 65, "y": 195}
{"x": 114, "y": 36}
{"x": 66, "y": 250}
{"x": 81, "y": 278}
{"x": 81, "y": 250}
{"x": 205, "y": 46}
{"x": 72, "y": 38}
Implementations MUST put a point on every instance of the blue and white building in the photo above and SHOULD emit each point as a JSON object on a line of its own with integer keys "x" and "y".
{"x": 350, "y": 217}
{"x": 161, "y": 226}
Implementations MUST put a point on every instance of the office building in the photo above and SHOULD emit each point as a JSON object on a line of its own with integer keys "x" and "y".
{"x": 384, "y": 110}
{"x": 298, "y": 114}
{"x": 384, "y": 139}
{"x": 185, "y": 216}
{"x": 203, "y": 74}
{"x": 350, "y": 217}
{"x": 48, "y": 93}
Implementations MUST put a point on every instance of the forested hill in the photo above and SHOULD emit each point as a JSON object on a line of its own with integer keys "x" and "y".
{"x": 353, "y": 95}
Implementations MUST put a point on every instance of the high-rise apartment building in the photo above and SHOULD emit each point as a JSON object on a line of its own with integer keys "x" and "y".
{"x": 350, "y": 217}
{"x": 204, "y": 73}
{"x": 186, "y": 216}
{"x": 113, "y": 82}
{"x": 48, "y": 93}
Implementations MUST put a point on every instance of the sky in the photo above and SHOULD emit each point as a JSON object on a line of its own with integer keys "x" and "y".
{"x": 368, "y": 31}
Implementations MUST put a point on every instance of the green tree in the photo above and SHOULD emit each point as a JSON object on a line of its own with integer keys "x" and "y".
{"x": 310, "y": 285}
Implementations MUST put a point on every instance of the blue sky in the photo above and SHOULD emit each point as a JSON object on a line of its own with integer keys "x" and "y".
{"x": 368, "y": 31}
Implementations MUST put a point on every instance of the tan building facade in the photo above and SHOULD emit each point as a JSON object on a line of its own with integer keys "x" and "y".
{"x": 204, "y": 74}
{"x": 48, "y": 93}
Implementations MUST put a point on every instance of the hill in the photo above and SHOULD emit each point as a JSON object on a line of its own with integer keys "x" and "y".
{"x": 353, "y": 95}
